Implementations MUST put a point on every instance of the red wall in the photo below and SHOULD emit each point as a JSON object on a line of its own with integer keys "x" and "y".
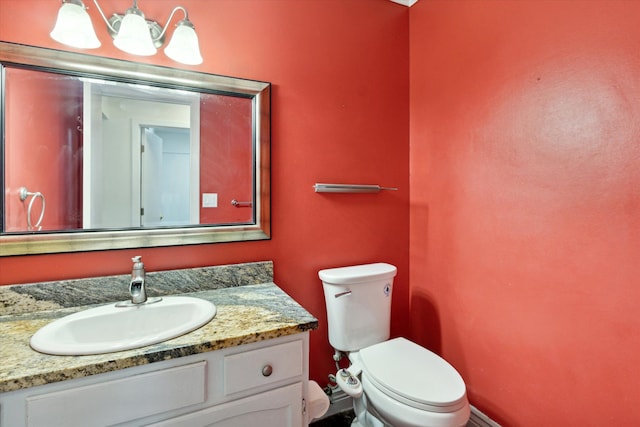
{"x": 525, "y": 204}
{"x": 226, "y": 158}
{"x": 44, "y": 151}
{"x": 340, "y": 108}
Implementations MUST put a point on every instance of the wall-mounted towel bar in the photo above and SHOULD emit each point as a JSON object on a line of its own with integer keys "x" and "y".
{"x": 238, "y": 204}
{"x": 349, "y": 188}
{"x": 24, "y": 193}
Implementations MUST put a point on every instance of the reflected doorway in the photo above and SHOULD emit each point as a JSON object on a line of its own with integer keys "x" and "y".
{"x": 165, "y": 176}
{"x": 141, "y": 162}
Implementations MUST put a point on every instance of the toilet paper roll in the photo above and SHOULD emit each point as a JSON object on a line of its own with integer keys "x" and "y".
{"x": 318, "y": 402}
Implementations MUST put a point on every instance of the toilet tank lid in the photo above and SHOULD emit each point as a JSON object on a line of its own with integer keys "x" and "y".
{"x": 358, "y": 273}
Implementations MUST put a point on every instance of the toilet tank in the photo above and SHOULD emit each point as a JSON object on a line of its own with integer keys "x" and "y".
{"x": 358, "y": 300}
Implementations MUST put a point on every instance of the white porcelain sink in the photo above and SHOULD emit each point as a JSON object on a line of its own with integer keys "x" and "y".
{"x": 109, "y": 328}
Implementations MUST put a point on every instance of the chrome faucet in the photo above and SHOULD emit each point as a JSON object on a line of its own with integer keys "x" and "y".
{"x": 136, "y": 286}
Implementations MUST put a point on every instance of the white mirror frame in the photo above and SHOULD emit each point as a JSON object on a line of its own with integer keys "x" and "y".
{"x": 78, "y": 241}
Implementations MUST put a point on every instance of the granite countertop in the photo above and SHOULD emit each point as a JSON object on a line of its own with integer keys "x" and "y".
{"x": 245, "y": 314}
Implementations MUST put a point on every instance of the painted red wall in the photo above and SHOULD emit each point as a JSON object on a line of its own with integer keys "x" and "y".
{"x": 226, "y": 155}
{"x": 44, "y": 151}
{"x": 525, "y": 204}
{"x": 340, "y": 101}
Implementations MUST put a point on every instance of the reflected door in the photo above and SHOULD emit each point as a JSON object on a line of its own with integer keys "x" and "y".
{"x": 151, "y": 180}
{"x": 111, "y": 200}
{"x": 165, "y": 176}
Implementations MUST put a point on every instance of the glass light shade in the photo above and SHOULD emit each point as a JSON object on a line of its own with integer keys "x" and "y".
{"x": 134, "y": 36}
{"x": 184, "y": 46}
{"x": 73, "y": 27}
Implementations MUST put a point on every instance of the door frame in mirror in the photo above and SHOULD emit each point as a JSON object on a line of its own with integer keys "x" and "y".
{"x": 79, "y": 241}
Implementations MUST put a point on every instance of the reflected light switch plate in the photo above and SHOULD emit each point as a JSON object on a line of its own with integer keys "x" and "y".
{"x": 209, "y": 200}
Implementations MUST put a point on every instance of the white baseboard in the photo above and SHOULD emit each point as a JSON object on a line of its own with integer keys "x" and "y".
{"x": 341, "y": 402}
{"x": 478, "y": 419}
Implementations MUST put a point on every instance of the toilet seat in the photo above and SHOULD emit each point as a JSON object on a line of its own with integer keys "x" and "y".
{"x": 413, "y": 375}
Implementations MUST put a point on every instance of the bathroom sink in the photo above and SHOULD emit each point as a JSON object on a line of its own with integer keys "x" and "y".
{"x": 110, "y": 328}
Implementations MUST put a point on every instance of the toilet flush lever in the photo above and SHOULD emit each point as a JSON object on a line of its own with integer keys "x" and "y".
{"x": 342, "y": 294}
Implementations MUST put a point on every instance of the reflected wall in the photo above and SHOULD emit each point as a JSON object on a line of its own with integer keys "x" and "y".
{"x": 45, "y": 149}
{"x": 45, "y": 132}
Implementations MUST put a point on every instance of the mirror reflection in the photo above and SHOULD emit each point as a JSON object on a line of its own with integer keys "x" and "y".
{"x": 88, "y": 155}
{"x": 116, "y": 155}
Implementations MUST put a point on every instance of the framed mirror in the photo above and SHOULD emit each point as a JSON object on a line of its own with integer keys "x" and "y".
{"x": 100, "y": 154}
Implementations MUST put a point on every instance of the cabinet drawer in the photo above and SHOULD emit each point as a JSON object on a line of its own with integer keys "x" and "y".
{"x": 120, "y": 400}
{"x": 261, "y": 367}
{"x": 281, "y": 407}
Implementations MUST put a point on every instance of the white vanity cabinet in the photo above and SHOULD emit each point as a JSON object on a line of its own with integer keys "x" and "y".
{"x": 259, "y": 384}
{"x": 276, "y": 408}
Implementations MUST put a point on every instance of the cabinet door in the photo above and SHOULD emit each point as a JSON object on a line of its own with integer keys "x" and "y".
{"x": 121, "y": 400}
{"x": 281, "y": 407}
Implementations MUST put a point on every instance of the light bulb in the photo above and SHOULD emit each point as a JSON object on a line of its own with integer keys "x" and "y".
{"x": 134, "y": 36}
{"x": 73, "y": 27}
{"x": 183, "y": 46}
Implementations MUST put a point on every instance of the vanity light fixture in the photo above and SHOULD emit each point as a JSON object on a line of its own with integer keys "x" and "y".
{"x": 131, "y": 32}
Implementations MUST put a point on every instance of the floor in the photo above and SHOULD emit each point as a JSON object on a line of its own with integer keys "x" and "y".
{"x": 342, "y": 419}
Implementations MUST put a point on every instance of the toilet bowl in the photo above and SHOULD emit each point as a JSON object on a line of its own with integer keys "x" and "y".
{"x": 393, "y": 382}
{"x": 409, "y": 386}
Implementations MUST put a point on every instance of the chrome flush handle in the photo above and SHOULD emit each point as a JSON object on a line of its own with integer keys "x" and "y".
{"x": 342, "y": 294}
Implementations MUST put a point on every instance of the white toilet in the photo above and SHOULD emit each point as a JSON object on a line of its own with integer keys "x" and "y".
{"x": 393, "y": 382}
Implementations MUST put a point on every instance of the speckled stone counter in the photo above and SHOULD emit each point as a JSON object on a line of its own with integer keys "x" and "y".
{"x": 250, "y": 308}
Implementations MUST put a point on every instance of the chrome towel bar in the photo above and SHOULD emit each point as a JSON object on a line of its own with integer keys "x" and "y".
{"x": 350, "y": 188}
{"x": 238, "y": 204}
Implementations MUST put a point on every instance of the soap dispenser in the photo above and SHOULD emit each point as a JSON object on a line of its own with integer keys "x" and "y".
{"x": 136, "y": 286}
